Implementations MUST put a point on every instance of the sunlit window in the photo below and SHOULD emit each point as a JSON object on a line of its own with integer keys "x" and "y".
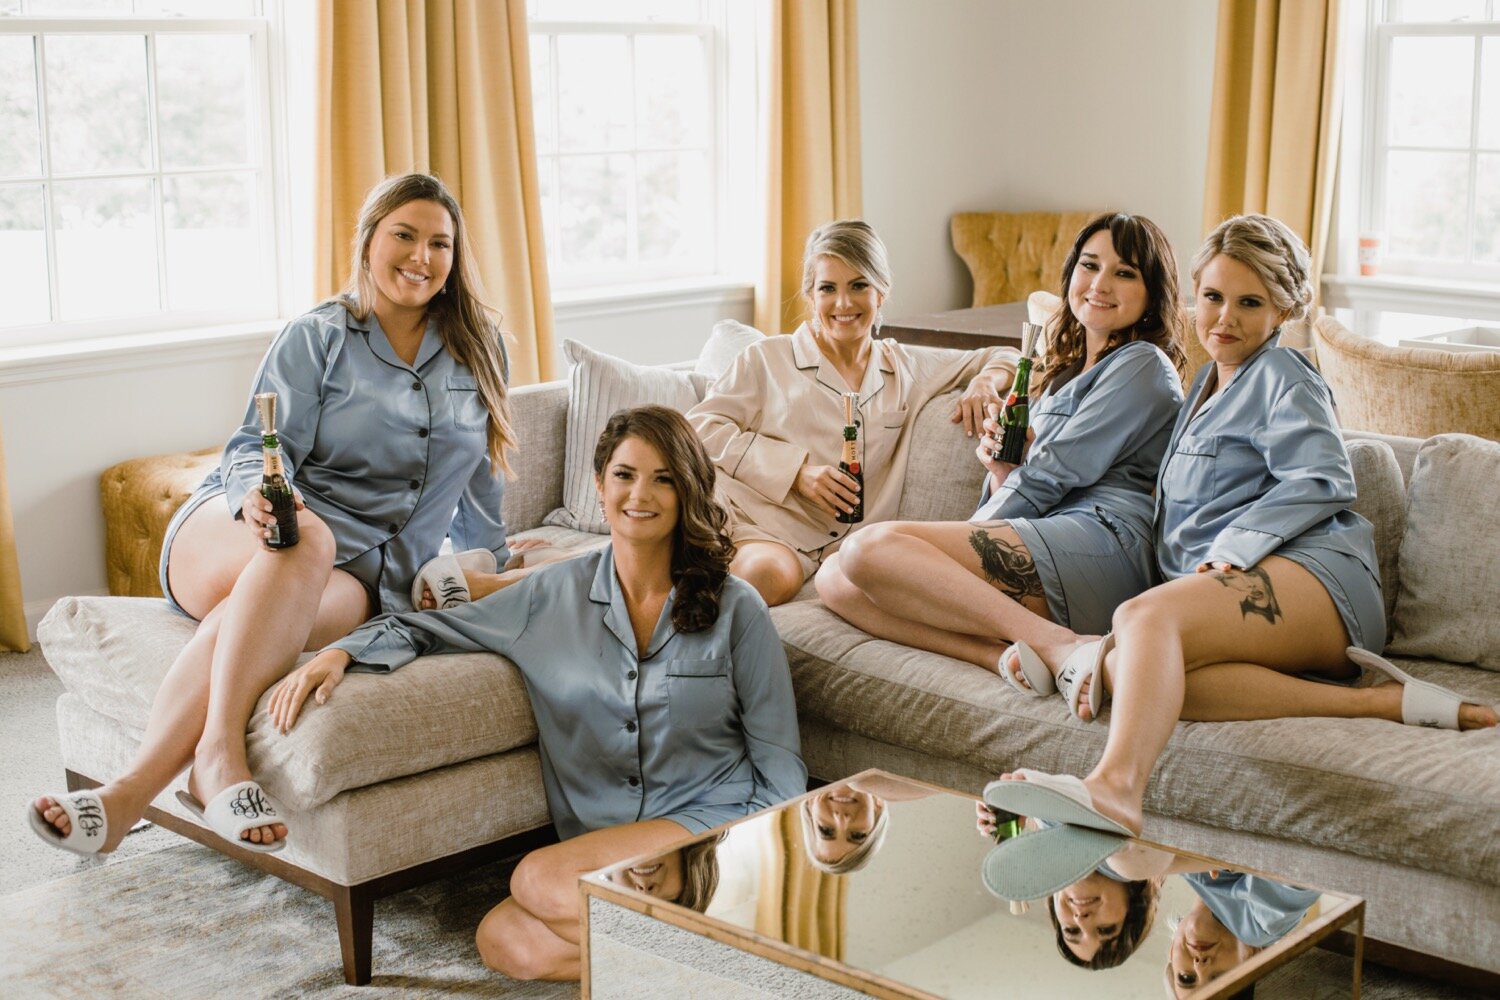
{"x": 628, "y": 108}
{"x": 135, "y": 171}
{"x": 1433, "y": 189}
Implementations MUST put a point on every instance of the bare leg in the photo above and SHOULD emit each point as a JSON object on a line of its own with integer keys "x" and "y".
{"x": 535, "y": 933}
{"x": 771, "y": 568}
{"x": 268, "y": 606}
{"x": 974, "y": 586}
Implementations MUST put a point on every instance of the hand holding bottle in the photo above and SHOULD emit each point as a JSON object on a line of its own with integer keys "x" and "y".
{"x": 258, "y": 516}
{"x": 827, "y": 488}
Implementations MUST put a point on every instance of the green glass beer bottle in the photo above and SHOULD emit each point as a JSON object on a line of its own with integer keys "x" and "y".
{"x": 274, "y": 484}
{"x": 1014, "y": 415}
{"x": 849, "y": 463}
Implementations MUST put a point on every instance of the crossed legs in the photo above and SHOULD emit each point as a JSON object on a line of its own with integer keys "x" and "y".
{"x": 534, "y": 933}
{"x": 257, "y": 609}
{"x": 964, "y": 590}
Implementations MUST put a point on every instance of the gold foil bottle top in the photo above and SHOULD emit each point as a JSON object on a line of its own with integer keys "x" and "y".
{"x": 265, "y": 406}
{"x": 1030, "y": 334}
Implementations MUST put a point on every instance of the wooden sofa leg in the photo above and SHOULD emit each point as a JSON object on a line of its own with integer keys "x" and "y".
{"x": 354, "y": 906}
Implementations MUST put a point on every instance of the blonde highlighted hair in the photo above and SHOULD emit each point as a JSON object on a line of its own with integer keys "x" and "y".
{"x": 469, "y": 329}
{"x": 854, "y": 242}
{"x": 1268, "y": 247}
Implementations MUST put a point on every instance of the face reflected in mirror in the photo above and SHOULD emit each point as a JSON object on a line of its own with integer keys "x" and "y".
{"x": 661, "y": 876}
{"x": 1090, "y": 913}
{"x": 843, "y": 820}
{"x": 1202, "y": 950}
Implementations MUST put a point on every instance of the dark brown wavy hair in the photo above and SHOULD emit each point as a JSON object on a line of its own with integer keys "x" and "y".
{"x": 1144, "y": 247}
{"x": 701, "y": 549}
{"x": 1140, "y": 911}
{"x": 470, "y": 329}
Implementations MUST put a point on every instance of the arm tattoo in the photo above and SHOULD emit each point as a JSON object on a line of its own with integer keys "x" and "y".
{"x": 1007, "y": 566}
{"x": 1257, "y": 597}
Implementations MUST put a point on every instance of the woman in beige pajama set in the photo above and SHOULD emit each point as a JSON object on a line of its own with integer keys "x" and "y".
{"x": 773, "y": 422}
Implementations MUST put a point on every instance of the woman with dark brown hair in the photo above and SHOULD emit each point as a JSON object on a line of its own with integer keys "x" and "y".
{"x": 1062, "y": 539}
{"x": 393, "y": 418}
{"x": 661, "y": 692}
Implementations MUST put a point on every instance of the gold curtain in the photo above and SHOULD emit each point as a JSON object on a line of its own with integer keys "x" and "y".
{"x": 442, "y": 86}
{"x": 12, "y": 609}
{"x": 812, "y": 143}
{"x": 798, "y": 903}
{"x": 1273, "y": 135}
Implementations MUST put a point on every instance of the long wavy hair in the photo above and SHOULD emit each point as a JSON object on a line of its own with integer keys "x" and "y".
{"x": 1143, "y": 246}
{"x": 701, "y": 549}
{"x": 470, "y": 330}
{"x": 700, "y": 873}
{"x": 1140, "y": 911}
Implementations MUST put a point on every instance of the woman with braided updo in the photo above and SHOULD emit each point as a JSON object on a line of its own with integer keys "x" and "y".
{"x": 1269, "y": 572}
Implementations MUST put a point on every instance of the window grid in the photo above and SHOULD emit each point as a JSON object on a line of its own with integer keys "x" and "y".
{"x": 631, "y": 268}
{"x": 255, "y": 166}
{"x": 1386, "y": 28}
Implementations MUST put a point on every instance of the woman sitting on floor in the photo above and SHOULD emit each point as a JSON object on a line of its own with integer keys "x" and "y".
{"x": 1061, "y": 540}
{"x": 773, "y": 422}
{"x": 661, "y": 691}
{"x": 394, "y": 420}
{"x": 1271, "y": 574}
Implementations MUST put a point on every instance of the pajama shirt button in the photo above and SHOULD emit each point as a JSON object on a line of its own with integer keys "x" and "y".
{"x": 415, "y": 484}
{"x": 634, "y": 782}
{"x": 422, "y": 432}
{"x": 416, "y": 387}
{"x": 630, "y": 676}
{"x": 630, "y": 727}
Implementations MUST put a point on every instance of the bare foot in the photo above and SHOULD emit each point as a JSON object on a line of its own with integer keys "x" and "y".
{"x": 121, "y": 812}
{"x": 209, "y": 778}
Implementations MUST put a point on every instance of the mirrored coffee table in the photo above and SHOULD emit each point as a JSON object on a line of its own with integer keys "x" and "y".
{"x": 874, "y": 886}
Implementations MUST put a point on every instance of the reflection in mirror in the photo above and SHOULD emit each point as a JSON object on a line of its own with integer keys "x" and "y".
{"x": 845, "y": 824}
{"x": 1234, "y": 916}
{"x": 1101, "y": 919}
{"x": 687, "y": 877}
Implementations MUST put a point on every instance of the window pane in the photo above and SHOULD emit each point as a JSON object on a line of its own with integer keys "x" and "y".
{"x": 1437, "y": 10}
{"x": 675, "y": 213}
{"x": 20, "y": 143}
{"x": 1489, "y": 94}
{"x": 1432, "y": 90}
{"x": 541, "y": 93}
{"x": 1487, "y": 210}
{"x": 23, "y": 256}
{"x": 213, "y": 249}
{"x": 96, "y": 102}
{"x": 45, "y": 7}
{"x": 593, "y": 105}
{"x": 592, "y": 203}
{"x": 198, "y": 8}
{"x": 203, "y": 100}
{"x": 1426, "y": 201}
{"x": 671, "y": 91}
{"x": 615, "y": 10}
{"x": 106, "y": 247}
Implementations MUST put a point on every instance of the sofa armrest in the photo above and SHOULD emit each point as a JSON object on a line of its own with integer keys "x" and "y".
{"x": 539, "y": 414}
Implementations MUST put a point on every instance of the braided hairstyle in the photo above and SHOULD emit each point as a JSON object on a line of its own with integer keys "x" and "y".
{"x": 701, "y": 549}
{"x": 1141, "y": 244}
{"x": 1269, "y": 248}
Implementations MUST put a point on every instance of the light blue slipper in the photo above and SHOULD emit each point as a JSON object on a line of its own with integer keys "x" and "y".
{"x": 1061, "y": 798}
{"x": 1038, "y": 864}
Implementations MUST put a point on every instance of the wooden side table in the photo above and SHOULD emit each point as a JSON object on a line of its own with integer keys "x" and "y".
{"x": 965, "y": 329}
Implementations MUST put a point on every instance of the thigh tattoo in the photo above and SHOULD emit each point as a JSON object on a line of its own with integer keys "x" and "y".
{"x": 1257, "y": 597}
{"x": 1006, "y": 565}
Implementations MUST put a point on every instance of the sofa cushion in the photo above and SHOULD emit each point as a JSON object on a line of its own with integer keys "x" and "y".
{"x": 598, "y": 385}
{"x": 1381, "y": 500}
{"x": 726, "y": 342}
{"x": 943, "y": 477}
{"x": 1450, "y": 556}
{"x": 113, "y": 653}
{"x": 1396, "y": 793}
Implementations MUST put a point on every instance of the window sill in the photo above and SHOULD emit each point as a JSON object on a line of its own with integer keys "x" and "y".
{"x": 601, "y": 301}
{"x": 1400, "y": 293}
{"x": 106, "y": 355}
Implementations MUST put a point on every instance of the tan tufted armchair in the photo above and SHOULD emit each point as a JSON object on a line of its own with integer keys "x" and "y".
{"x": 1410, "y": 391}
{"x": 139, "y": 497}
{"x": 1010, "y": 253}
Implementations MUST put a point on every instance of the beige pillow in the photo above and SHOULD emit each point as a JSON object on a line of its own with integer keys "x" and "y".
{"x": 1448, "y": 604}
{"x": 598, "y": 385}
{"x": 729, "y": 338}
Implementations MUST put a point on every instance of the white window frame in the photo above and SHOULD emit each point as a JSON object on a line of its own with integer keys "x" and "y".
{"x": 730, "y": 152}
{"x": 267, "y": 161}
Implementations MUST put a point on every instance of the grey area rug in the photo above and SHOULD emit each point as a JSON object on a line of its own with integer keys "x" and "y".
{"x": 188, "y": 922}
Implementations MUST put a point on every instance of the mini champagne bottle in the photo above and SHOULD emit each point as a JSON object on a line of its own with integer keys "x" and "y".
{"x": 849, "y": 463}
{"x": 1014, "y": 416}
{"x": 274, "y": 485}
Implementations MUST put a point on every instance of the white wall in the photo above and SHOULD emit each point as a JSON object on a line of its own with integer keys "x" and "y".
{"x": 1020, "y": 105}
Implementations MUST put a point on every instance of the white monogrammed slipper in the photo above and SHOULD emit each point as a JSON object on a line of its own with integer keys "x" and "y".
{"x": 88, "y": 826}
{"x": 444, "y": 576}
{"x": 236, "y": 809}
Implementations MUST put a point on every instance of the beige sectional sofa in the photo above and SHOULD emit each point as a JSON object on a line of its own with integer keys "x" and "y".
{"x": 404, "y": 777}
